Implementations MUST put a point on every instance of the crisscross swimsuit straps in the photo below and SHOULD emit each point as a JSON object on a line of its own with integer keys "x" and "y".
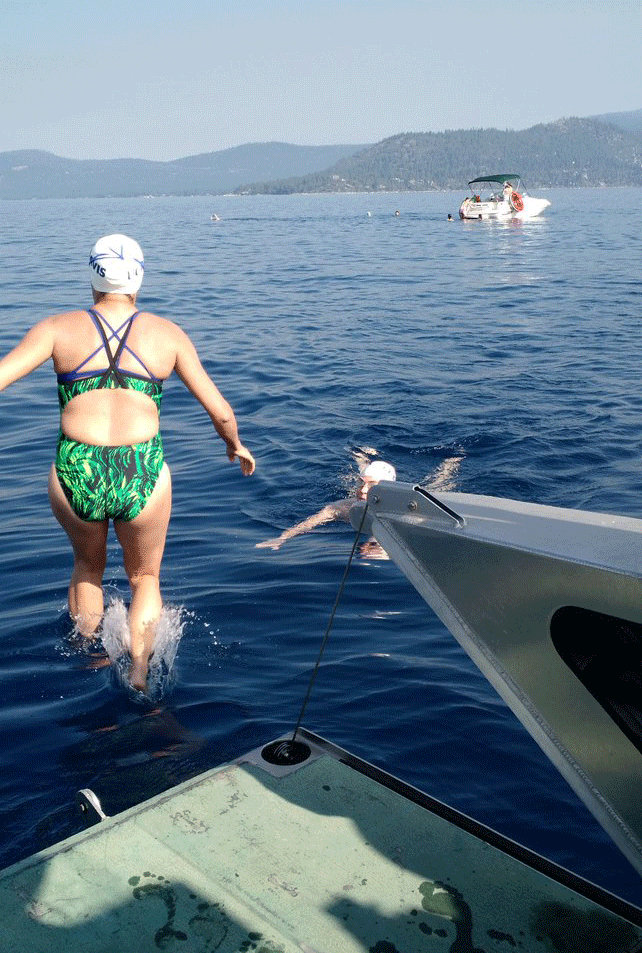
{"x": 80, "y": 381}
{"x": 103, "y": 482}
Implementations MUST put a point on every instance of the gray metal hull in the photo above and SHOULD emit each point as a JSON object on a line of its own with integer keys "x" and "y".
{"x": 512, "y": 582}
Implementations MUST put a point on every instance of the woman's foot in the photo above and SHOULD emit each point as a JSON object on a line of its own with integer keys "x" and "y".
{"x": 138, "y": 673}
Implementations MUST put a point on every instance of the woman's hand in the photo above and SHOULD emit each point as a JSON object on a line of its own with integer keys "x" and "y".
{"x": 245, "y": 458}
{"x": 275, "y": 543}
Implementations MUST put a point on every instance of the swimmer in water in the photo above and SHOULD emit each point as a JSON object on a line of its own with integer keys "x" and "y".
{"x": 111, "y": 361}
{"x": 369, "y": 475}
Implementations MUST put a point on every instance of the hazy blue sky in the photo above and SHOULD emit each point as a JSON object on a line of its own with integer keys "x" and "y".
{"x": 152, "y": 80}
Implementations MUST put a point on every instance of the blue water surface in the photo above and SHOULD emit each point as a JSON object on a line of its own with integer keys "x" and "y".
{"x": 501, "y": 359}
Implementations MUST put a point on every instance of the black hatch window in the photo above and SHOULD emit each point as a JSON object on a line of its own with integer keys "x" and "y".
{"x": 605, "y": 653}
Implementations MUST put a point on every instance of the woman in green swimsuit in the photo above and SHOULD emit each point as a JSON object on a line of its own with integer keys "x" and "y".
{"x": 111, "y": 362}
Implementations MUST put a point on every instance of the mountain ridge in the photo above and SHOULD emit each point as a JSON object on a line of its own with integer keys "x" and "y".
{"x": 35, "y": 173}
{"x": 567, "y": 152}
{"x": 597, "y": 150}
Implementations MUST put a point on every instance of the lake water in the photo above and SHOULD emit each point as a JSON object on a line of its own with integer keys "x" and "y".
{"x": 501, "y": 359}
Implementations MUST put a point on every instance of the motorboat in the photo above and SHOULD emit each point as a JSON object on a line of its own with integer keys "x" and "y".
{"x": 505, "y": 197}
{"x": 300, "y": 845}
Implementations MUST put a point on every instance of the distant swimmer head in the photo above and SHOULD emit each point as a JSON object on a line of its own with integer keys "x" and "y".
{"x": 116, "y": 265}
{"x": 378, "y": 470}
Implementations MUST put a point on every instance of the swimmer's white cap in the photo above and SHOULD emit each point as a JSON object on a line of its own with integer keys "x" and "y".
{"x": 116, "y": 265}
{"x": 379, "y": 470}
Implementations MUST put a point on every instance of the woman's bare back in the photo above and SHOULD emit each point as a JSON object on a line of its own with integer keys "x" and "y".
{"x": 119, "y": 416}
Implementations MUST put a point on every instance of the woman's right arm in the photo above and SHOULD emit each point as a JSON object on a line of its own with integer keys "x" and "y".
{"x": 35, "y": 348}
{"x": 317, "y": 519}
{"x": 192, "y": 373}
{"x": 331, "y": 511}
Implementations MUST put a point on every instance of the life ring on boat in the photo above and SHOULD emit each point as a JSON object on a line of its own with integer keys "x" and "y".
{"x": 516, "y": 201}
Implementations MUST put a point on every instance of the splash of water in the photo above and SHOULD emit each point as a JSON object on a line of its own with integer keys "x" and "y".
{"x": 116, "y": 640}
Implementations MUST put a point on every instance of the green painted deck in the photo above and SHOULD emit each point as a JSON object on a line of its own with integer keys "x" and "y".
{"x": 322, "y": 860}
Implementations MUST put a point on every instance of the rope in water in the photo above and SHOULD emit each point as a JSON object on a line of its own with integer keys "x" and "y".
{"x": 330, "y": 623}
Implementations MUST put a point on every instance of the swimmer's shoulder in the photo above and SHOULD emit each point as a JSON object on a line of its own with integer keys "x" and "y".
{"x": 340, "y": 509}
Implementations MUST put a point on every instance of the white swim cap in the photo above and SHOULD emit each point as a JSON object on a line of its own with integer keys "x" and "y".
{"x": 116, "y": 265}
{"x": 379, "y": 470}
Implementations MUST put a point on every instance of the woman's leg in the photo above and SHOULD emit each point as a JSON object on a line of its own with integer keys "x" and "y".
{"x": 89, "y": 543}
{"x": 143, "y": 543}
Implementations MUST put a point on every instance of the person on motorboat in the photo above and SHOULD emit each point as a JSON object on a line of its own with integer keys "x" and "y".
{"x": 369, "y": 475}
{"x": 111, "y": 361}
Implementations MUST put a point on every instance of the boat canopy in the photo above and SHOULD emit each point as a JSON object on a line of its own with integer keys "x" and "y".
{"x": 500, "y": 177}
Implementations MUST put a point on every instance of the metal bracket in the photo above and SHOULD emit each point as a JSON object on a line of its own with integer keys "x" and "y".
{"x": 90, "y": 807}
{"x": 446, "y": 510}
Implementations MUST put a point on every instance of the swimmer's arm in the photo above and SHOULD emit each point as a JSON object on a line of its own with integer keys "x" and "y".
{"x": 35, "y": 348}
{"x": 192, "y": 373}
{"x": 331, "y": 511}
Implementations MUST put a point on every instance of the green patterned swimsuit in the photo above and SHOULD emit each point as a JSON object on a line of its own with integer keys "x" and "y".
{"x": 108, "y": 482}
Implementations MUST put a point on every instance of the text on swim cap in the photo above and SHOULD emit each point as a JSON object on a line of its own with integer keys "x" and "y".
{"x": 93, "y": 263}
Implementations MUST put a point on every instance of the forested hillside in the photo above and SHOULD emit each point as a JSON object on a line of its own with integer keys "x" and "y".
{"x": 600, "y": 150}
{"x": 569, "y": 152}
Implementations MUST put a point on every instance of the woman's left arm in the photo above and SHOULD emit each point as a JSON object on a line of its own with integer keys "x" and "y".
{"x": 35, "y": 348}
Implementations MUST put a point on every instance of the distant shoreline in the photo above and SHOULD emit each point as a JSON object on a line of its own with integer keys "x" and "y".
{"x": 460, "y": 192}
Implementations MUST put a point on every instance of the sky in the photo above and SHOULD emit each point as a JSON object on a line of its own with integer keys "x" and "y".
{"x": 118, "y": 79}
